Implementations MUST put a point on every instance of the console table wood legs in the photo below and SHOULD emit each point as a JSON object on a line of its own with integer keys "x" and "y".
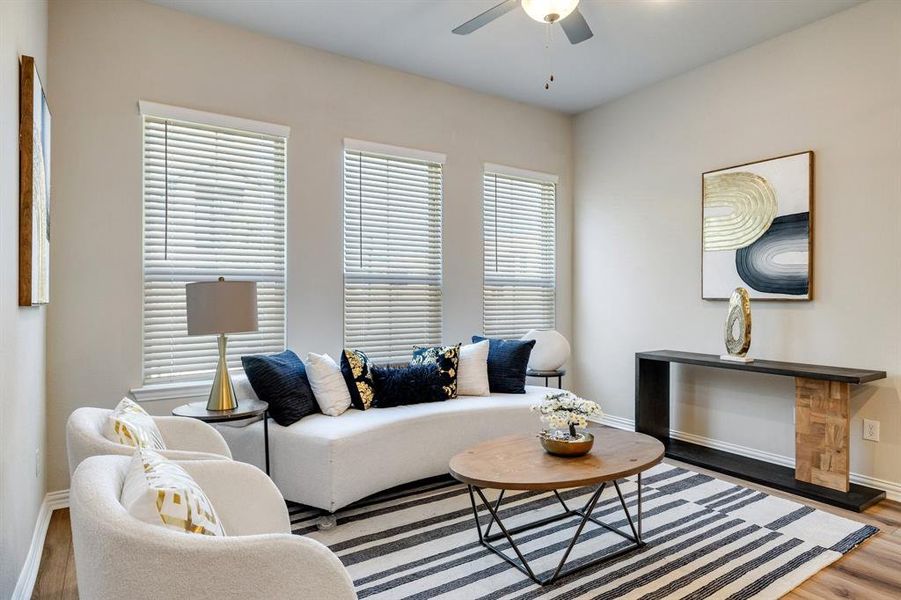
{"x": 822, "y": 426}
{"x": 822, "y": 430}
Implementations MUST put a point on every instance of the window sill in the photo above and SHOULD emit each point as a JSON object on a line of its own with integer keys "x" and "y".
{"x": 180, "y": 390}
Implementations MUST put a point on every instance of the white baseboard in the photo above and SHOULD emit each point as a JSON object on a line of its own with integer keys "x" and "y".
{"x": 618, "y": 422}
{"x": 29, "y": 573}
{"x": 892, "y": 488}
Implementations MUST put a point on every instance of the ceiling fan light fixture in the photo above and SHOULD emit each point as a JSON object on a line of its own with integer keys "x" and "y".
{"x": 549, "y": 11}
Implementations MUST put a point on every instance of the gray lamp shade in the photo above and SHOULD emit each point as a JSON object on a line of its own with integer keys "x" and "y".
{"x": 221, "y": 307}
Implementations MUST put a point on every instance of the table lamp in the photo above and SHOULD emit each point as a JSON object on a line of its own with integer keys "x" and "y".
{"x": 221, "y": 307}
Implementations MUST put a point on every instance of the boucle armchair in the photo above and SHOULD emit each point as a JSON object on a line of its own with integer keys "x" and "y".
{"x": 119, "y": 556}
{"x": 186, "y": 439}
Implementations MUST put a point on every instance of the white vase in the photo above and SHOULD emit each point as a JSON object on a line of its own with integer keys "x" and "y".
{"x": 551, "y": 350}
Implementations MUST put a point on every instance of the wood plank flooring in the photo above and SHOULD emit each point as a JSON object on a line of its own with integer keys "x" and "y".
{"x": 871, "y": 572}
{"x": 56, "y": 575}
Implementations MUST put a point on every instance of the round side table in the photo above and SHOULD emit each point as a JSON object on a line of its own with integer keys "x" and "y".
{"x": 558, "y": 373}
{"x": 245, "y": 410}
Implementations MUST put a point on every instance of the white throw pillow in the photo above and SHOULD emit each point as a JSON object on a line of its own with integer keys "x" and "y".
{"x": 159, "y": 492}
{"x": 328, "y": 384}
{"x": 472, "y": 370}
{"x": 130, "y": 424}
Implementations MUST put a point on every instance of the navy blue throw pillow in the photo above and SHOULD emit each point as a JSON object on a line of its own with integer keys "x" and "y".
{"x": 397, "y": 386}
{"x": 281, "y": 380}
{"x": 448, "y": 360}
{"x": 507, "y": 364}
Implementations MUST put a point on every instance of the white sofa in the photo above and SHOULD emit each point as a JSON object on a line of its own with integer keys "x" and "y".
{"x": 118, "y": 556}
{"x": 185, "y": 439}
{"x": 329, "y": 462}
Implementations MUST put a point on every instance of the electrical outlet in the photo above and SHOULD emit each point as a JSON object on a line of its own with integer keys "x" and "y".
{"x": 871, "y": 430}
{"x": 37, "y": 463}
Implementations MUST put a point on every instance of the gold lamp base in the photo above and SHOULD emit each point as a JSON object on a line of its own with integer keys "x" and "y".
{"x": 222, "y": 395}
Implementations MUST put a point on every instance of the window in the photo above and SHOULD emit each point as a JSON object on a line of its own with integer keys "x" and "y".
{"x": 392, "y": 249}
{"x": 214, "y": 205}
{"x": 519, "y": 251}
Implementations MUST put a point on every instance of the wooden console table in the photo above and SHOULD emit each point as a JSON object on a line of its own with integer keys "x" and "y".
{"x": 822, "y": 426}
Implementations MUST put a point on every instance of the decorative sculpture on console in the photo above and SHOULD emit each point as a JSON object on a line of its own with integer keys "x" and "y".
{"x": 738, "y": 327}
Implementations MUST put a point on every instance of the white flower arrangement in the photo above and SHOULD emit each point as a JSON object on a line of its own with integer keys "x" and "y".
{"x": 565, "y": 410}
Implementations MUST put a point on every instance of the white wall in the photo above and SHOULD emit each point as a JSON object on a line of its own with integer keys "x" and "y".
{"x": 833, "y": 87}
{"x": 23, "y": 30}
{"x": 105, "y": 56}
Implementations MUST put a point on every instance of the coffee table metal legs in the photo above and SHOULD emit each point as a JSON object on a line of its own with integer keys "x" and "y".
{"x": 585, "y": 513}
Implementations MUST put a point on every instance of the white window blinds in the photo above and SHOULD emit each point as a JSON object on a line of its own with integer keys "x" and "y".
{"x": 518, "y": 217}
{"x": 214, "y": 205}
{"x": 392, "y": 253}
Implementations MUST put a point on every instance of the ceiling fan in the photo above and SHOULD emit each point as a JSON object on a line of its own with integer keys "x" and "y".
{"x": 565, "y": 12}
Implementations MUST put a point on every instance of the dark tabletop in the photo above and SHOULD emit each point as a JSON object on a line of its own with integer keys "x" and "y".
{"x": 537, "y": 373}
{"x": 245, "y": 410}
{"x": 772, "y": 367}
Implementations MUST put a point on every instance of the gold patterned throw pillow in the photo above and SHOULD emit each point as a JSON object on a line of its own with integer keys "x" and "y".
{"x": 448, "y": 360}
{"x": 160, "y": 492}
{"x": 130, "y": 424}
{"x": 357, "y": 371}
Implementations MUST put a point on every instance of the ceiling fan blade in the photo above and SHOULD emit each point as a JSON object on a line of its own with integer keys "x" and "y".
{"x": 486, "y": 17}
{"x": 576, "y": 28}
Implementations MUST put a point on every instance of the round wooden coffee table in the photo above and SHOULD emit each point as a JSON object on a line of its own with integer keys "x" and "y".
{"x": 520, "y": 463}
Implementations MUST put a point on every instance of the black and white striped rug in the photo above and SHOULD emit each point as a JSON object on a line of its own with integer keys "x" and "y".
{"x": 706, "y": 538}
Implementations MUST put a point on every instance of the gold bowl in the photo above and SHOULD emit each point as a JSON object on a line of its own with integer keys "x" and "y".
{"x": 568, "y": 448}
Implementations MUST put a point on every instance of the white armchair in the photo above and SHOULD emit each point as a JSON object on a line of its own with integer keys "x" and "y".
{"x": 119, "y": 556}
{"x": 186, "y": 439}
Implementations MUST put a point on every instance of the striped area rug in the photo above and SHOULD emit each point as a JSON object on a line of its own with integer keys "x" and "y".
{"x": 706, "y": 538}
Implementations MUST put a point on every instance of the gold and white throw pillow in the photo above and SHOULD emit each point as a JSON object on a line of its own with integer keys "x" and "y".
{"x": 130, "y": 424}
{"x": 160, "y": 492}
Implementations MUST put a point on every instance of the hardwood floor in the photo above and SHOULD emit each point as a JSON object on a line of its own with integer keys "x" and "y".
{"x": 870, "y": 572}
{"x": 56, "y": 575}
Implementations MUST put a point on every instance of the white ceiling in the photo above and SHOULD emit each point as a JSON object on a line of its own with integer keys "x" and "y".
{"x": 636, "y": 42}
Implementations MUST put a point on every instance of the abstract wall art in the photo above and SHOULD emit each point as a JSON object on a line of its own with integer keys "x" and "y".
{"x": 34, "y": 187}
{"x": 757, "y": 229}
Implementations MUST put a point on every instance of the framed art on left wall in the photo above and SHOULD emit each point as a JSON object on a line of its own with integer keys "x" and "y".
{"x": 34, "y": 187}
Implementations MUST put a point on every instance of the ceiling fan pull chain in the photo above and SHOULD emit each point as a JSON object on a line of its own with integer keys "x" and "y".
{"x": 547, "y": 50}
